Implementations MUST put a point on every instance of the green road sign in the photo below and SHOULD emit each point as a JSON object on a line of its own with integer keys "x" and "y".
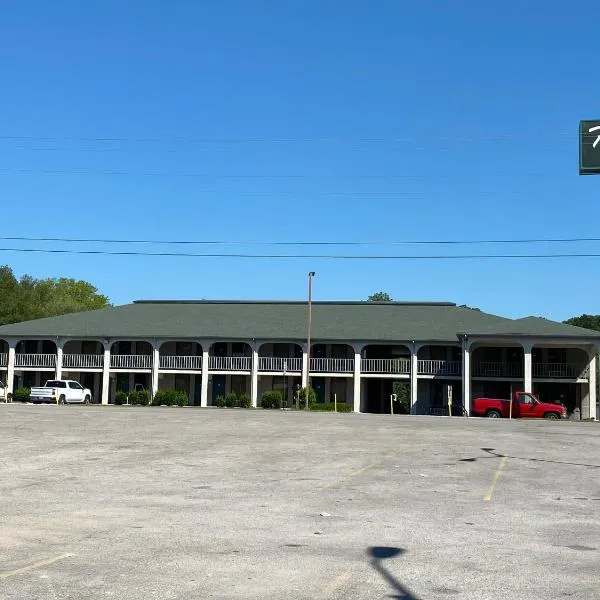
{"x": 589, "y": 147}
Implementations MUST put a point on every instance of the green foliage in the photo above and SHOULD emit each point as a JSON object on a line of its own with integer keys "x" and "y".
{"x": 586, "y": 321}
{"x": 312, "y": 397}
{"x": 402, "y": 391}
{"x": 379, "y": 297}
{"x": 28, "y": 298}
{"x": 330, "y": 407}
{"x": 231, "y": 400}
{"x": 244, "y": 401}
{"x": 132, "y": 397}
{"x": 121, "y": 397}
{"x": 143, "y": 397}
{"x": 272, "y": 399}
{"x": 22, "y": 394}
{"x": 220, "y": 401}
{"x": 170, "y": 398}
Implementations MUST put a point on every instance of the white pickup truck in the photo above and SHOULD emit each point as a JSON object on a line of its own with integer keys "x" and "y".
{"x": 61, "y": 391}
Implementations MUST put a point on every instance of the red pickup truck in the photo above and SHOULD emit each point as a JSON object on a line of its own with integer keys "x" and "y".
{"x": 524, "y": 406}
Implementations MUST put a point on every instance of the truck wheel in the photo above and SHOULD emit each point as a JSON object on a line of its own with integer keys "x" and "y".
{"x": 551, "y": 415}
{"x": 493, "y": 414}
{"x": 62, "y": 400}
{"x": 86, "y": 400}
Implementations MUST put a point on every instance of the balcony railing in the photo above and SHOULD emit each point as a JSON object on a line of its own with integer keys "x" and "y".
{"x": 400, "y": 366}
{"x": 230, "y": 363}
{"x": 131, "y": 361}
{"x": 181, "y": 363}
{"x": 497, "y": 369}
{"x": 40, "y": 361}
{"x": 3, "y": 359}
{"x": 332, "y": 365}
{"x": 560, "y": 370}
{"x": 439, "y": 367}
{"x": 279, "y": 365}
{"x": 83, "y": 361}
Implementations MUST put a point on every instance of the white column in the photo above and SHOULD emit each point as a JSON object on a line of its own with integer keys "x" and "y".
{"x": 527, "y": 370}
{"x": 592, "y": 386}
{"x": 59, "y": 360}
{"x": 466, "y": 376}
{"x": 204, "y": 381}
{"x": 155, "y": 367}
{"x": 357, "y": 380}
{"x": 414, "y": 371}
{"x": 304, "y": 366}
{"x": 254, "y": 376}
{"x": 10, "y": 374}
{"x": 106, "y": 374}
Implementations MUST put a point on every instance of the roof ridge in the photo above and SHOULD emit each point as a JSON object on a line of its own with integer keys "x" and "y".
{"x": 296, "y": 302}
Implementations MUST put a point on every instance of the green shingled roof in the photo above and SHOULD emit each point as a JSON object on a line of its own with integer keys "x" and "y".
{"x": 244, "y": 320}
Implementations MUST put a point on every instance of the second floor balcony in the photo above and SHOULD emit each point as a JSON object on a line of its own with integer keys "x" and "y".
{"x": 386, "y": 366}
{"x": 440, "y": 367}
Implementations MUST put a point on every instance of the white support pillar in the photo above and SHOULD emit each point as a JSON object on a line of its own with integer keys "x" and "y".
{"x": 527, "y": 367}
{"x": 155, "y": 367}
{"x": 466, "y": 375}
{"x": 414, "y": 385}
{"x": 357, "y": 379}
{"x": 254, "y": 377}
{"x": 106, "y": 374}
{"x": 592, "y": 386}
{"x": 204, "y": 381}
{"x": 304, "y": 366}
{"x": 10, "y": 373}
{"x": 59, "y": 359}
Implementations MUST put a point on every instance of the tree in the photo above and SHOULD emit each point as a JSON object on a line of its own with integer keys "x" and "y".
{"x": 586, "y": 321}
{"x": 379, "y": 297}
{"x": 29, "y": 298}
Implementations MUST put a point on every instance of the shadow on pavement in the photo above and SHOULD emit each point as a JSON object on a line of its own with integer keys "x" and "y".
{"x": 380, "y": 553}
{"x": 493, "y": 454}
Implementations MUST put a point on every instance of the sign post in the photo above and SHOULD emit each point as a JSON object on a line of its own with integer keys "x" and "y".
{"x": 393, "y": 399}
{"x": 449, "y": 400}
{"x": 511, "y": 401}
{"x": 335, "y": 403}
{"x": 589, "y": 147}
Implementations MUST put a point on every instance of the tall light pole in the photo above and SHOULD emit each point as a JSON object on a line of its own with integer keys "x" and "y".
{"x": 310, "y": 276}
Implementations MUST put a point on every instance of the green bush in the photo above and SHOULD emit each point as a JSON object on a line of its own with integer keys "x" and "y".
{"x": 143, "y": 397}
{"x": 132, "y": 397}
{"x": 120, "y": 397}
{"x": 231, "y": 400}
{"x": 402, "y": 391}
{"x": 244, "y": 401}
{"x": 22, "y": 394}
{"x": 330, "y": 407}
{"x": 312, "y": 397}
{"x": 220, "y": 401}
{"x": 272, "y": 399}
{"x": 180, "y": 398}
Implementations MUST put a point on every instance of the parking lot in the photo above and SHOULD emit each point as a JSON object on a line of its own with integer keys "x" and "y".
{"x": 180, "y": 503}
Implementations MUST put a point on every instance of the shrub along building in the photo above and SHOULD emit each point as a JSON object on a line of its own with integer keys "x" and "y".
{"x": 358, "y": 350}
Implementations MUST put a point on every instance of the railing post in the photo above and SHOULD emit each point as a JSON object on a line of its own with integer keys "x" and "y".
{"x": 106, "y": 374}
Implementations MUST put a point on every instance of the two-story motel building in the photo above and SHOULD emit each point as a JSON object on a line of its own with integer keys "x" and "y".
{"x": 358, "y": 349}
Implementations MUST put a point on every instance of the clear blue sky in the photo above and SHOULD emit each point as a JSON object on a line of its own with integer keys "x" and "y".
{"x": 322, "y": 121}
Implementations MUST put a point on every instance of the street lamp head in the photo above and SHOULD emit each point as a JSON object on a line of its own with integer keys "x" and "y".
{"x": 312, "y": 274}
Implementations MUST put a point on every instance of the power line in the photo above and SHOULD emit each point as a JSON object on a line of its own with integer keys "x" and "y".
{"x": 69, "y": 240}
{"x": 298, "y": 256}
{"x": 286, "y": 140}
